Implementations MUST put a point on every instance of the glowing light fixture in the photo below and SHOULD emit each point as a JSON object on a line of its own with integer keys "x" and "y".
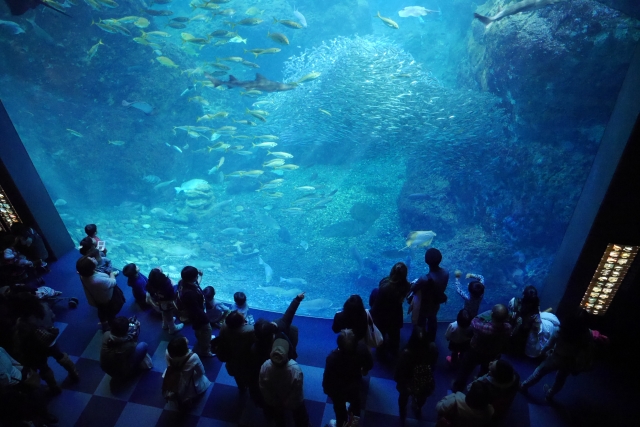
{"x": 609, "y": 275}
{"x": 8, "y": 215}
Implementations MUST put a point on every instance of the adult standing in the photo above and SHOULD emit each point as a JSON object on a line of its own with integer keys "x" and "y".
{"x": 343, "y": 371}
{"x": 191, "y": 300}
{"x": 353, "y": 316}
{"x": 234, "y": 348}
{"x": 491, "y": 332}
{"x": 431, "y": 287}
{"x": 98, "y": 288}
{"x": 281, "y": 386}
{"x": 387, "y": 311}
{"x": 414, "y": 374}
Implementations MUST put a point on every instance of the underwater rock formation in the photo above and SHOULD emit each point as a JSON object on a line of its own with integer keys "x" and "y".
{"x": 554, "y": 65}
{"x": 199, "y": 197}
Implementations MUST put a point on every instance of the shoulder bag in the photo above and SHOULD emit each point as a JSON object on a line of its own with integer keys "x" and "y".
{"x": 373, "y": 338}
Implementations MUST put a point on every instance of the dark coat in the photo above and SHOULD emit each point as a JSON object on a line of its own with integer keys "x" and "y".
{"x": 358, "y": 324}
{"x": 234, "y": 348}
{"x": 191, "y": 300}
{"x": 343, "y": 373}
{"x": 432, "y": 288}
{"x": 387, "y": 311}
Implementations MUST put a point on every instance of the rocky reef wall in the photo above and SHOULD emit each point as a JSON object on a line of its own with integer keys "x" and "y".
{"x": 558, "y": 68}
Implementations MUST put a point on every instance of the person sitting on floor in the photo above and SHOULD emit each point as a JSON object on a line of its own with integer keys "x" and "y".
{"x": 472, "y": 410}
{"x": 502, "y": 383}
{"x": 121, "y": 354}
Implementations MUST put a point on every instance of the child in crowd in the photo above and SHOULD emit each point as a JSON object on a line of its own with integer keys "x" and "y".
{"x": 92, "y": 232}
{"x": 473, "y": 299}
{"x": 240, "y": 305}
{"x": 137, "y": 282}
{"x": 103, "y": 264}
{"x": 459, "y": 335}
{"x": 216, "y": 312}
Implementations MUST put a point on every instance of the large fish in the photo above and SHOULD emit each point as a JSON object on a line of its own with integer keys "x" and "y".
{"x": 512, "y": 9}
{"x": 261, "y": 83}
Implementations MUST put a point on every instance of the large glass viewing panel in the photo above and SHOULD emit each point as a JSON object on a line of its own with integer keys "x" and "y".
{"x": 352, "y": 135}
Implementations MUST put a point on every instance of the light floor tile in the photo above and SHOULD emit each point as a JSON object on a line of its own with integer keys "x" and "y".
{"x": 382, "y": 396}
{"x": 224, "y": 377}
{"x": 92, "y": 351}
{"x": 158, "y": 359}
{"x": 313, "y": 383}
{"x": 135, "y": 415}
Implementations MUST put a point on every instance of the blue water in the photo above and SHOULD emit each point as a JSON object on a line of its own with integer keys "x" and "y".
{"x": 483, "y": 136}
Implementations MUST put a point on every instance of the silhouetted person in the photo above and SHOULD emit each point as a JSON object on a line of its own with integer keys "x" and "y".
{"x": 432, "y": 287}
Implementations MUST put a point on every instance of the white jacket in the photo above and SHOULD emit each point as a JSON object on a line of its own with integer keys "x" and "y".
{"x": 193, "y": 377}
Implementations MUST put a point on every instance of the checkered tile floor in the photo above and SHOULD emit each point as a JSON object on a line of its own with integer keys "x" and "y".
{"x": 96, "y": 401}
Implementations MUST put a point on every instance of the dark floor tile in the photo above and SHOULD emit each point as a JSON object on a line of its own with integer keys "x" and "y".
{"x": 101, "y": 412}
{"x": 315, "y": 410}
{"x": 78, "y": 334}
{"x": 375, "y": 419}
{"x": 177, "y": 419}
{"x": 149, "y": 390}
{"x": 224, "y": 403}
{"x": 90, "y": 376}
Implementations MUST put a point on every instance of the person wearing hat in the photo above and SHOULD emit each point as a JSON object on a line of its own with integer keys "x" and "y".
{"x": 281, "y": 386}
{"x": 432, "y": 288}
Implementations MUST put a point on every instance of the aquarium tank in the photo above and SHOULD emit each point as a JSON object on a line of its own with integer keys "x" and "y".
{"x": 285, "y": 146}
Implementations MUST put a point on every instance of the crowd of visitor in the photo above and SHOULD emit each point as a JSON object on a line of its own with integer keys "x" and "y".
{"x": 261, "y": 355}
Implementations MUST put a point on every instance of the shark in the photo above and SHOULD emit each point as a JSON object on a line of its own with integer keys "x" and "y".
{"x": 512, "y": 9}
{"x": 261, "y": 83}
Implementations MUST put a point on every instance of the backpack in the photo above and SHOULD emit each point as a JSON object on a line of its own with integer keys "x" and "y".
{"x": 171, "y": 383}
{"x": 421, "y": 382}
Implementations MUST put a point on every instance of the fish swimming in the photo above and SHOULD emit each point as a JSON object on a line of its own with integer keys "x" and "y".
{"x": 41, "y": 33}
{"x": 512, "y": 9}
{"x": 419, "y": 239}
{"x": 300, "y": 17}
{"x": 12, "y": 27}
{"x": 142, "y": 106}
{"x": 268, "y": 271}
{"x": 261, "y": 83}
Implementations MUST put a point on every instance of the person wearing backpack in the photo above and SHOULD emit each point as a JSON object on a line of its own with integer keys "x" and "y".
{"x": 184, "y": 380}
{"x": 343, "y": 372}
{"x": 414, "y": 374}
{"x": 192, "y": 302}
{"x": 431, "y": 287}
